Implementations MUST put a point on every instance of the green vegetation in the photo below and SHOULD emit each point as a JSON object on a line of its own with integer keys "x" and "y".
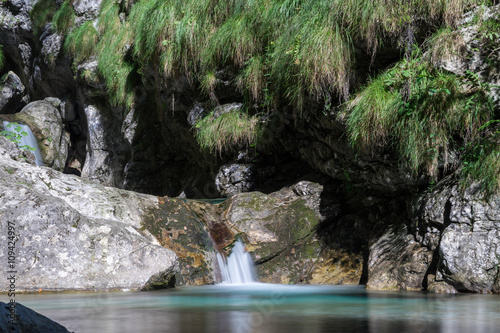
{"x": 64, "y": 18}
{"x": 14, "y": 132}
{"x": 115, "y": 40}
{"x": 482, "y": 159}
{"x": 297, "y": 49}
{"x": 423, "y": 112}
{"x": 41, "y": 14}
{"x": 81, "y": 42}
{"x": 228, "y": 130}
{"x": 2, "y": 58}
{"x": 287, "y": 52}
{"x": 488, "y": 36}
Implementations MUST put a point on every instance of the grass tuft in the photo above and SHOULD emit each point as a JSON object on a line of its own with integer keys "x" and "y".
{"x": 64, "y": 18}
{"x": 81, "y": 42}
{"x": 481, "y": 159}
{"x": 445, "y": 45}
{"x": 419, "y": 110}
{"x": 2, "y": 57}
{"x": 226, "y": 132}
{"x": 118, "y": 71}
{"x": 42, "y": 13}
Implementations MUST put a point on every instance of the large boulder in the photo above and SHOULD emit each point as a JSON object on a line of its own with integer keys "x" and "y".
{"x": 397, "y": 261}
{"x": 76, "y": 235}
{"x": 12, "y": 92}
{"x": 280, "y": 230}
{"x": 45, "y": 121}
{"x": 186, "y": 227}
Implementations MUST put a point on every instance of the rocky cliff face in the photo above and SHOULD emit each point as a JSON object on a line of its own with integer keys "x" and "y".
{"x": 320, "y": 211}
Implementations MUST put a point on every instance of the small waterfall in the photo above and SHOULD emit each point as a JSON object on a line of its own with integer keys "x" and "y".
{"x": 25, "y": 140}
{"x": 238, "y": 267}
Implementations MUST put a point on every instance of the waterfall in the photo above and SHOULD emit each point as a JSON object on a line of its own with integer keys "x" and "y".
{"x": 27, "y": 139}
{"x": 238, "y": 267}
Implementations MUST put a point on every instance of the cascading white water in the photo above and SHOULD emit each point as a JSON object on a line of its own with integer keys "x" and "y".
{"x": 238, "y": 267}
{"x": 25, "y": 140}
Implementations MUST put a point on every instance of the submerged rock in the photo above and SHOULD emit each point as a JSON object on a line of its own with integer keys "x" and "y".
{"x": 28, "y": 321}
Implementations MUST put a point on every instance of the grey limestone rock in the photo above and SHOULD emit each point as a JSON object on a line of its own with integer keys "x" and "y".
{"x": 235, "y": 178}
{"x": 76, "y": 235}
{"x": 45, "y": 121}
{"x": 107, "y": 147}
{"x": 87, "y": 8}
{"x": 12, "y": 92}
{"x": 467, "y": 226}
{"x": 397, "y": 261}
{"x": 51, "y": 47}
{"x": 15, "y": 153}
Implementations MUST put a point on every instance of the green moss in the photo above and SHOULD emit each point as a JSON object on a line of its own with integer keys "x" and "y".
{"x": 9, "y": 170}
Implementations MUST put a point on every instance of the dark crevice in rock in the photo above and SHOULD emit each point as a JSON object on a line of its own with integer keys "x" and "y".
{"x": 364, "y": 274}
{"x": 431, "y": 270}
{"x": 446, "y": 214}
{"x": 266, "y": 259}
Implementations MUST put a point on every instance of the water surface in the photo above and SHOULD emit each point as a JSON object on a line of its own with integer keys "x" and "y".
{"x": 257, "y": 308}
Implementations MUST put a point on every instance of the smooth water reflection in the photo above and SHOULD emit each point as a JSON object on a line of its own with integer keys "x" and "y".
{"x": 261, "y": 308}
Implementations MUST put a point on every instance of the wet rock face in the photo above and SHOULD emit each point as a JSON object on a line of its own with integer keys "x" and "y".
{"x": 179, "y": 226}
{"x": 280, "y": 232}
{"x": 107, "y": 149}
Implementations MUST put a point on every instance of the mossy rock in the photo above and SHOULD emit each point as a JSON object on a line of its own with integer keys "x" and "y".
{"x": 177, "y": 227}
{"x": 279, "y": 230}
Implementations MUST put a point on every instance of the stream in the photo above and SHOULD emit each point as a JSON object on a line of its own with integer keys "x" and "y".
{"x": 259, "y": 308}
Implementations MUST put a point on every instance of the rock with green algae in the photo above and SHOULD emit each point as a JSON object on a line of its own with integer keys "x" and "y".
{"x": 280, "y": 232}
{"x": 179, "y": 226}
